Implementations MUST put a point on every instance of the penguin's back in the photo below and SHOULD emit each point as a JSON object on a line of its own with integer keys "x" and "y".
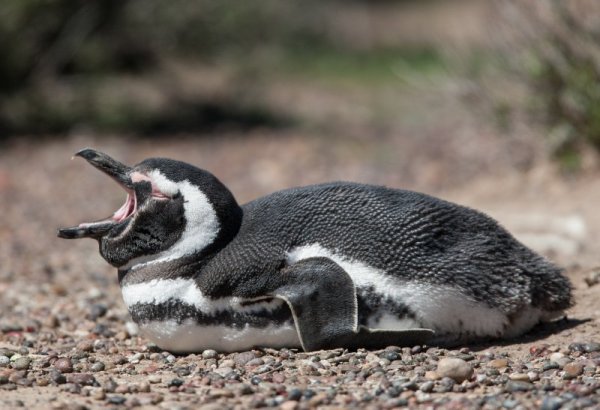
{"x": 407, "y": 236}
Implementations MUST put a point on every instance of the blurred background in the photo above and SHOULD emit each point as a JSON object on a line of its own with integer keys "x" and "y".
{"x": 493, "y": 104}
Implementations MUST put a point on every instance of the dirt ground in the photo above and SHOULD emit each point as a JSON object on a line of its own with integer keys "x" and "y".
{"x": 56, "y": 295}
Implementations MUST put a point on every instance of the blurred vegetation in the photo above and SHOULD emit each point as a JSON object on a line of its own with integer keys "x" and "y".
{"x": 108, "y": 64}
{"x": 560, "y": 44}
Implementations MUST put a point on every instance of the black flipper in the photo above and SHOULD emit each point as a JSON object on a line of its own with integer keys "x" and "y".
{"x": 322, "y": 298}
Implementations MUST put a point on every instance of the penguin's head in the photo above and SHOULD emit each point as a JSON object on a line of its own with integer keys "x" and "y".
{"x": 172, "y": 210}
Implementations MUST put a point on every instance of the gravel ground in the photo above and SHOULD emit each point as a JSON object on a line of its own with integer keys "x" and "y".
{"x": 66, "y": 340}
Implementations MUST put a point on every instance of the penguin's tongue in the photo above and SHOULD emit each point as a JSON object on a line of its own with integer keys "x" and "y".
{"x": 118, "y": 172}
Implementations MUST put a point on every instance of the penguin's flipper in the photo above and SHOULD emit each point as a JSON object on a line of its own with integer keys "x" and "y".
{"x": 322, "y": 298}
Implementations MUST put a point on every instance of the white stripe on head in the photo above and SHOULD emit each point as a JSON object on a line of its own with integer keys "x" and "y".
{"x": 201, "y": 228}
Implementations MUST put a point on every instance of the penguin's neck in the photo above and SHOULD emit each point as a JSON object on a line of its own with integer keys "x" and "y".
{"x": 172, "y": 265}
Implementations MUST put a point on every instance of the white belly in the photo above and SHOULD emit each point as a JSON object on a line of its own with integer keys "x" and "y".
{"x": 190, "y": 337}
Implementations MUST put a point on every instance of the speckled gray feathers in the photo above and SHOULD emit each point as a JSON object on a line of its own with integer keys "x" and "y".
{"x": 406, "y": 234}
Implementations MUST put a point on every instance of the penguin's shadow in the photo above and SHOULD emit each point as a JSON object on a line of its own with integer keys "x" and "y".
{"x": 539, "y": 332}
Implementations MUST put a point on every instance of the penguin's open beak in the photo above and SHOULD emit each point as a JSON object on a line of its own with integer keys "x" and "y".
{"x": 121, "y": 173}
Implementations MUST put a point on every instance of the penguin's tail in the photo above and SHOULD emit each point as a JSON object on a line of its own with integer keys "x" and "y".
{"x": 551, "y": 290}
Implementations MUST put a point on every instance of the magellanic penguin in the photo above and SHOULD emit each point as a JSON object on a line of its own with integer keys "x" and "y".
{"x": 333, "y": 265}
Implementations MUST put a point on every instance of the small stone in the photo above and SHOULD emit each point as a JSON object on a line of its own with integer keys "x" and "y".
{"x": 99, "y": 394}
{"x": 551, "y": 403}
{"x": 427, "y": 387}
{"x": 122, "y": 335}
{"x": 218, "y": 393}
{"x": 262, "y": 369}
{"x": 454, "y": 368}
{"x": 42, "y": 381}
{"x": 593, "y": 278}
{"x": 116, "y": 400}
{"x": 155, "y": 378}
{"x": 255, "y": 362}
{"x": 390, "y": 355}
{"x": 227, "y": 363}
{"x": 223, "y": 371}
{"x": 63, "y": 365}
{"x": 517, "y": 386}
{"x": 97, "y": 310}
{"x": 122, "y": 389}
{"x": 209, "y": 354}
{"x": 175, "y": 382}
{"x": 498, "y": 363}
{"x": 576, "y": 347}
{"x": 550, "y": 366}
{"x": 445, "y": 385}
{"x": 289, "y": 405}
{"x": 132, "y": 329}
{"x": 573, "y": 369}
{"x": 432, "y": 375}
{"x": 136, "y": 358}
{"x": 244, "y": 357}
{"x": 51, "y": 321}
{"x": 98, "y": 367}
{"x": 144, "y": 387}
{"x": 294, "y": 394}
{"x": 317, "y": 400}
{"x": 22, "y": 363}
{"x": 84, "y": 379}
{"x": 4, "y": 361}
{"x": 521, "y": 377}
{"x": 591, "y": 347}
{"x": 85, "y": 346}
{"x": 57, "y": 377}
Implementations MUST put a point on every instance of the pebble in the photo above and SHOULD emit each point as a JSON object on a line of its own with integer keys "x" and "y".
{"x": 85, "y": 379}
{"x": 155, "y": 378}
{"x": 573, "y": 369}
{"x": 454, "y": 368}
{"x": 242, "y": 358}
{"x": 427, "y": 387}
{"x": 85, "y": 346}
{"x": 551, "y": 403}
{"x": 97, "y": 311}
{"x": 209, "y": 354}
{"x": 22, "y": 363}
{"x": 518, "y": 386}
{"x": 132, "y": 329}
{"x": 98, "y": 394}
{"x": 136, "y": 358}
{"x": 294, "y": 394}
{"x": 432, "y": 375}
{"x": 64, "y": 365}
{"x": 116, "y": 400}
{"x": 57, "y": 377}
{"x": 522, "y": 377}
{"x": 289, "y": 405}
{"x": 498, "y": 363}
{"x": 97, "y": 367}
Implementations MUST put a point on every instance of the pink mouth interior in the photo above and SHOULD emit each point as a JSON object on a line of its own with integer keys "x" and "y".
{"x": 127, "y": 209}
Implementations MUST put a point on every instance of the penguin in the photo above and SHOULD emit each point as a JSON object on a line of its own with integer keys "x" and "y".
{"x": 324, "y": 266}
